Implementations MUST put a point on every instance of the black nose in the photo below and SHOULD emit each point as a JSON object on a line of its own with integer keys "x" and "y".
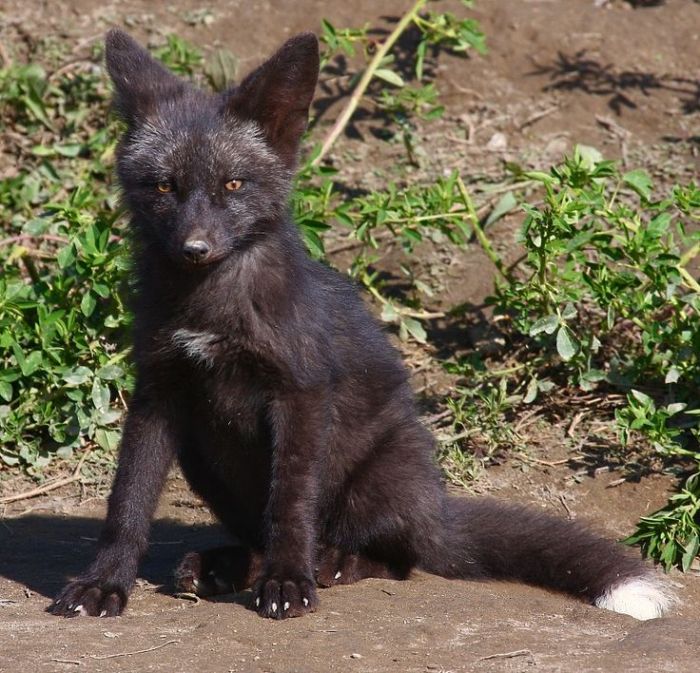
{"x": 196, "y": 250}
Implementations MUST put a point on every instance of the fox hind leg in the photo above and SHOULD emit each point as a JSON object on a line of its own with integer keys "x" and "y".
{"x": 338, "y": 567}
{"x": 217, "y": 571}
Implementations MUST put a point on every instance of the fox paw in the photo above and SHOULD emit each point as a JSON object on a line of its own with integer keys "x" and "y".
{"x": 194, "y": 576}
{"x": 280, "y": 597}
{"x": 89, "y": 598}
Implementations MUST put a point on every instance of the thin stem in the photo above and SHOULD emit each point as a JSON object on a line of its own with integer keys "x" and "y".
{"x": 362, "y": 85}
{"x": 478, "y": 231}
{"x": 400, "y": 310}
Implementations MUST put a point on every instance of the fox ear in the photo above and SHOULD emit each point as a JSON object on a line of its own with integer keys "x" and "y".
{"x": 277, "y": 95}
{"x": 139, "y": 80}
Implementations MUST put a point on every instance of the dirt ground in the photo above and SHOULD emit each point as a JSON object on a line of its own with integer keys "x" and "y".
{"x": 625, "y": 80}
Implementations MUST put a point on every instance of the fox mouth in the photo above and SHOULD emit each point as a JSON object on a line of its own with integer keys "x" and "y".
{"x": 202, "y": 263}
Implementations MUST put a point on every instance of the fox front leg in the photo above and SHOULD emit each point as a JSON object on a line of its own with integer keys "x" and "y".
{"x": 286, "y": 586}
{"x": 146, "y": 453}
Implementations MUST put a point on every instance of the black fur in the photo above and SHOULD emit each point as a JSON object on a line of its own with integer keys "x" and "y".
{"x": 262, "y": 372}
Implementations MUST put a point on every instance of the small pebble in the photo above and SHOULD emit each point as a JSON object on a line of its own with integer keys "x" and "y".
{"x": 355, "y": 655}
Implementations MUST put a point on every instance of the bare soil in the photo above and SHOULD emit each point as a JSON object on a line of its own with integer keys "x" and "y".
{"x": 622, "y": 79}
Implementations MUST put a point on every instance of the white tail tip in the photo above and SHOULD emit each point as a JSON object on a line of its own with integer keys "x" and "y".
{"x": 640, "y": 597}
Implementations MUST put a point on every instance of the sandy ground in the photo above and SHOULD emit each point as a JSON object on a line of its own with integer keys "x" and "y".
{"x": 423, "y": 624}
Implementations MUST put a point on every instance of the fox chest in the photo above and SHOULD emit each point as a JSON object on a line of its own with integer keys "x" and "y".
{"x": 227, "y": 387}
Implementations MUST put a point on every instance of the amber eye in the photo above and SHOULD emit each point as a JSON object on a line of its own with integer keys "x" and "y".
{"x": 234, "y": 185}
{"x": 164, "y": 187}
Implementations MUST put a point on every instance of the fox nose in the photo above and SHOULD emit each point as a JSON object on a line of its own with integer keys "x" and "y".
{"x": 196, "y": 250}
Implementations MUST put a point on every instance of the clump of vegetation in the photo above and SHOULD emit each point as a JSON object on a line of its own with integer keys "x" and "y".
{"x": 603, "y": 300}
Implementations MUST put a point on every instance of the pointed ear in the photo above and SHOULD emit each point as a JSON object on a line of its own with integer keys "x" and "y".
{"x": 277, "y": 95}
{"x": 139, "y": 80}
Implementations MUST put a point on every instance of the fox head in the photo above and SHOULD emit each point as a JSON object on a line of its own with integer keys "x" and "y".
{"x": 205, "y": 175}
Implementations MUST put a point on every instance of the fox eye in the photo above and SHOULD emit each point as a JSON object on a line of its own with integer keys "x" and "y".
{"x": 164, "y": 187}
{"x": 234, "y": 185}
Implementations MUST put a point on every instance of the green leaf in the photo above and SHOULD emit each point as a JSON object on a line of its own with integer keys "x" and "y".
{"x": 77, "y": 376}
{"x": 672, "y": 375}
{"x": 107, "y": 439}
{"x": 567, "y": 345}
{"x": 66, "y": 256}
{"x": 31, "y": 363}
{"x": 639, "y": 181}
{"x": 532, "y": 390}
{"x": 100, "y": 396}
{"x": 415, "y": 329}
{"x": 642, "y": 397}
{"x": 389, "y": 76}
{"x": 88, "y": 304}
{"x": 675, "y": 408}
{"x": 588, "y": 155}
{"x": 505, "y": 204}
{"x": 6, "y": 391}
{"x": 389, "y": 313}
{"x": 221, "y": 68}
{"x": 548, "y": 324}
{"x": 72, "y": 150}
{"x": 110, "y": 372}
{"x": 569, "y": 312}
{"x": 690, "y": 551}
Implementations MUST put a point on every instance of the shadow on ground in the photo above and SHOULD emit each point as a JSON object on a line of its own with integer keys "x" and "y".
{"x": 578, "y": 71}
{"x": 41, "y": 552}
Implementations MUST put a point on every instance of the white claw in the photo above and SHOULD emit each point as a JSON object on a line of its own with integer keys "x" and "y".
{"x": 337, "y": 575}
{"x": 80, "y": 610}
{"x": 274, "y": 607}
{"x": 103, "y": 613}
{"x": 305, "y": 601}
{"x": 70, "y": 607}
{"x": 257, "y": 602}
{"x": 285, "y": 607}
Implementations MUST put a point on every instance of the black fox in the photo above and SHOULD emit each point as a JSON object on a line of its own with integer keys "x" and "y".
{"x": 261, "y": 370}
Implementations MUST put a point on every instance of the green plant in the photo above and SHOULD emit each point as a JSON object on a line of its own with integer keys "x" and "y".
{"x": 64, "y": 370}
{"x": 604, "y": 299}
{"x": 435, "y": 29}
{"x": 671, "y": 534}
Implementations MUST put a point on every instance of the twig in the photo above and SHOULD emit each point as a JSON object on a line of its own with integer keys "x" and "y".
{"x": 546, "y": 463}
{"x": 51, "y": 486}
{"x": 537, "y": 116}
{"x": 562, "y": 500}
{"x": 507, "y": 655}
{"x": 188, "y": 596}
{"x": 527, "y": 418}
{"x": 129, "y": 654}
{"x": 75, "y": 662}
{"x": 434, "y": 418}
{"x": 409, "y": 313}
{"x": 574, "y": 423}
{"x": 356, "y": 243}
{"x": 616, "y": 482}
{"x": 4, "y": 56}
{"x": 67, "y": 67}
{"x": 367, "y": 76}
{"x": 449, "y": 439}
{"x": 22, "y": 237}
